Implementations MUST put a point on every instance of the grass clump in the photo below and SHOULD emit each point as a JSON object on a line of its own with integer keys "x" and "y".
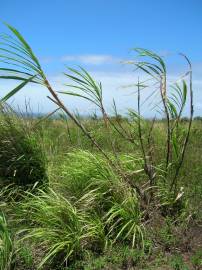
{"x": 22, "y": 160}
{"x": 60, "y": 228}
{"x": 90, "y": 209}
{"x": 82, "y": 171}
{"x": 124, "y": 221}
{"x": 115, "y": 202}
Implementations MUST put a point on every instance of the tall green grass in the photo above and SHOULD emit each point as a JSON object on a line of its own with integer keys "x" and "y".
{"x": 22, "y": 160}
{"x": 6, "y": 245}
{"x": 89, "y": 209}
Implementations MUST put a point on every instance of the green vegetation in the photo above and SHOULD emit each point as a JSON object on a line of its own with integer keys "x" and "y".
{"x": 102, "y": 192}
{"x": 21, "y": 159}
{"x": 6, "y": 245}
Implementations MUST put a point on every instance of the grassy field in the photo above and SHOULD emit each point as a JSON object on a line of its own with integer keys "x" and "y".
{"x": 84, "y": 216}
{"x": 103, "y": 192}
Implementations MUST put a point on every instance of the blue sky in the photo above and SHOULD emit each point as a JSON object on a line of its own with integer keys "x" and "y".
{"x": 98, "y": 34}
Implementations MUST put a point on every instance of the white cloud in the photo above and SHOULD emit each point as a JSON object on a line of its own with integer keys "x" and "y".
{"x": 113, "y": 87}
{"x": 46, "y": 59}
{"x": 90, "y": 59}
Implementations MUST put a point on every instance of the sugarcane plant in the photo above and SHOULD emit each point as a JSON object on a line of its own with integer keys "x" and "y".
{"x": 19, "y": 63}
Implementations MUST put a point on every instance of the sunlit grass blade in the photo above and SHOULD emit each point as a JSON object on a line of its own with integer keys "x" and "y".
{"x": 26, "y": 45}
{"x": 88, "y": 87}
{"x": 16, "y": 89}
{"x": 19, "y": 56}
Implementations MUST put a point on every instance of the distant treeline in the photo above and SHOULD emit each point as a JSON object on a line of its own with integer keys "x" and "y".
{"x": 59, "y": 116}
